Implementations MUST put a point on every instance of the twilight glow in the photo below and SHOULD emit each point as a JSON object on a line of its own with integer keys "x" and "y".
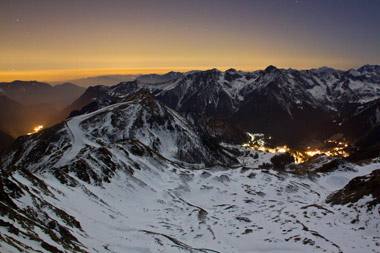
{"x": 57, "y": 40}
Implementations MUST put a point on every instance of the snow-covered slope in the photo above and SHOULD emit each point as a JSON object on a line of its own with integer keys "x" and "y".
{"x": 152, "y": 205}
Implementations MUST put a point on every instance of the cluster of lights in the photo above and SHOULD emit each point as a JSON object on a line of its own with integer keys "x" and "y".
{"x": 257, "y": 143}
{"x": 36, "y": 129}
{"x": 281, "y": 149}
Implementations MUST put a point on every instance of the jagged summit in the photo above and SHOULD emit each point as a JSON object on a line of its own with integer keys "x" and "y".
{"x": 270, "y": 69}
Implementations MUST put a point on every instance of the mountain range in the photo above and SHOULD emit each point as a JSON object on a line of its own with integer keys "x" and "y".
{"x": 293, "y": 106}
{"x": 33, "y": 92}
{"x": 109, "y": 80}
{"x": 160, "y": 167}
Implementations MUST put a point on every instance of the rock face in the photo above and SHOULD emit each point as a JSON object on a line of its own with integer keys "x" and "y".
{"x": 291, "y": 105}
{"x": 357, "y": 189}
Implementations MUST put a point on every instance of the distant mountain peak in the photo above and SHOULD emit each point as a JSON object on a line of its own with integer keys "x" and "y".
{"x": 231, "y": 70}
{"x": 214, "y": 70}
{"x": 270, "y": 69}
{"x": 156, "y": 78}
{"x": 324, "y": 69}
{"x": 174, "y": 73}
{"x": 369, "y": 68}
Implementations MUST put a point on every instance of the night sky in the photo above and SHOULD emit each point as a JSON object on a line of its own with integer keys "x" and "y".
{"x": 55, "y": 40}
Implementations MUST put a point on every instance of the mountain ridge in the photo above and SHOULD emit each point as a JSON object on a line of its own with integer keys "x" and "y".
{"x": 232, "y": 96}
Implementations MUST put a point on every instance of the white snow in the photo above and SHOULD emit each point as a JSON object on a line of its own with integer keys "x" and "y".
{"x": 225, "y": 210}
{"x": 78, "y": 137}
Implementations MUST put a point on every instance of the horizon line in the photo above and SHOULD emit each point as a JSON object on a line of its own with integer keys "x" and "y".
{"x": 64, "y": 75}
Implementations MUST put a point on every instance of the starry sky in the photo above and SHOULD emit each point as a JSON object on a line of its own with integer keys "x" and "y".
{"x": 56, "y": 40}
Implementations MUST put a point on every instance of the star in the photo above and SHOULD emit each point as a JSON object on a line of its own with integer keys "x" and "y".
{"x": 17, "y": 20}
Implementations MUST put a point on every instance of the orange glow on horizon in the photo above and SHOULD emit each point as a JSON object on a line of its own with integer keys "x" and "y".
{"x": 58, "y": 75}
{"x": 69, "y": 74}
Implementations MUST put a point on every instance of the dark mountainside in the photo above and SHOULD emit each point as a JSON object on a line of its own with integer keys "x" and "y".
{"x": 17, "y": 119}
{"x": 33, "y": 92}
{"x": 5, "y": 141}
